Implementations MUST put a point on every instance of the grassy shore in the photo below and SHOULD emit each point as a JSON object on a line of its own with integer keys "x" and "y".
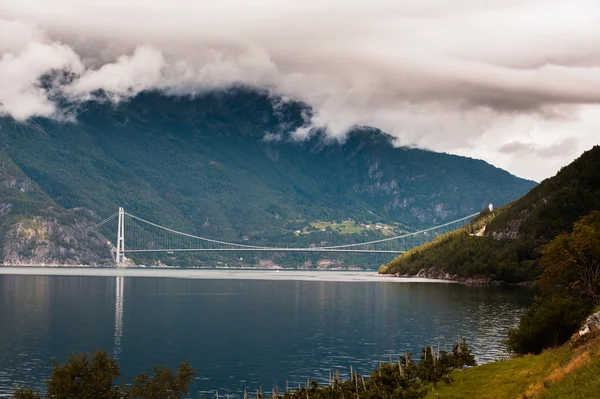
{"x": 570, "y": 371}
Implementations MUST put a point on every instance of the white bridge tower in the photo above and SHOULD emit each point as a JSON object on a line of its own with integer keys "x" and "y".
{"x": 119, "y": 253}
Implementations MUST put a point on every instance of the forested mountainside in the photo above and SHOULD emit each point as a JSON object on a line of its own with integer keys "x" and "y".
{"x": 226, "y": 165}
{"x": 508, "y": 249}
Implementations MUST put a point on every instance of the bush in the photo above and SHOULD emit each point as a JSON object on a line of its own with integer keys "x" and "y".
{"x": 93, "y": 377}
{"x": 85, "y": 377}
{"x": 26, "y": 393}
{"x": 549, "y": 322}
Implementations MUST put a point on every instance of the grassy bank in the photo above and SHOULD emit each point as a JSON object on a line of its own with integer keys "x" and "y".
{"x": 570, "y": 371}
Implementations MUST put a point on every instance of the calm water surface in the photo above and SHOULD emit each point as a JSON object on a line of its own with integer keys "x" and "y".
{"x": 237, "y": 332}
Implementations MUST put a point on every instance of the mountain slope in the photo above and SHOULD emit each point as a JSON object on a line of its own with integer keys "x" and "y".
{"x": 226, "y": 165}
{"x": 514, "y": 234}
{"x": 36, "y": 230}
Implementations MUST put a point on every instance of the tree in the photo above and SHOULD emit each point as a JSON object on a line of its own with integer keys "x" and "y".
{"x": 571, "y": 262}
{"x": 390, "y": 380}
{"x": 26, "y": 393}
{"x": 435, "y": 367}
{"x": 93, "y": 377}
{"x": 163, "y": 384}
{"x": 549, "y": 322}
{"x": 462, "y": 355}
{"x": 84, "y": 377}
{"x": 570, "y": 288}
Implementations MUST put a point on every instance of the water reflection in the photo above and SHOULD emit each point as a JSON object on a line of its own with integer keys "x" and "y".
{"x": 119, "y": 287}
{"x": 240, "y": 333}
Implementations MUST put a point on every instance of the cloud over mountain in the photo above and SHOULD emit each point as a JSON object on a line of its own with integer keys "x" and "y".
{"x": 468, "y": 77}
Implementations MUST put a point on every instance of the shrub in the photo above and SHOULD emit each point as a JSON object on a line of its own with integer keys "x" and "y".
{"x": 549, "y": 322}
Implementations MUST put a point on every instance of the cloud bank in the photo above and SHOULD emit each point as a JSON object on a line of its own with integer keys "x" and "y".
{"x": 515, "y": 82}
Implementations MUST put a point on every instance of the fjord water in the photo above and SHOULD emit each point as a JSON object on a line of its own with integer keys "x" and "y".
{"x": 240, "y": 332}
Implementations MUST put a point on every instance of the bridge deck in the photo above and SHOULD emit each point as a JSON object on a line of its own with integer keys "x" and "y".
{"x": 263, "y": 250}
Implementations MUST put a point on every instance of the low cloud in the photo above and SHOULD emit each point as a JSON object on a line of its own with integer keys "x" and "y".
{"x": 467, "y": 77}
{"x": 545, "y": 151}
{"x": 126, "y": 77}
{"x": 24, "y": 61}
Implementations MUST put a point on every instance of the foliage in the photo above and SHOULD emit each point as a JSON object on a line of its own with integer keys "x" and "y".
{"x": 464, "y": 255}
{"x": 571, "y": 263}
{"x": 85, "y": 377}
{"x": 549, "y": 322}
{"x": 570, "y": 286}
{"x": 163, "y": 384}
{"x": 435, "y": 368}
{"x": 461, "y": 355}
{"x": 93, "y": 377}
{"x": 26, "y": 393}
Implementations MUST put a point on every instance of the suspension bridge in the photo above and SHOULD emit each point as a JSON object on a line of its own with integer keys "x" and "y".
{"x": 143, "y": 236}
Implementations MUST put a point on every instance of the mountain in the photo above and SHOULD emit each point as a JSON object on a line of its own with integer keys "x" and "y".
{"x": 227, "y": 165}
{"x": 508, "y": 245}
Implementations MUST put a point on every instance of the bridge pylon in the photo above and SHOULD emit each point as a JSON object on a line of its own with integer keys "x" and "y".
{"x": 119, "y": 253}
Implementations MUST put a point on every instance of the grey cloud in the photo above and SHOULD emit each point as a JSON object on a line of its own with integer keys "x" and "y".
{"x": 456, "y": 76}
{"x": 567, "y": 145}
{"x": 517, "y": 147}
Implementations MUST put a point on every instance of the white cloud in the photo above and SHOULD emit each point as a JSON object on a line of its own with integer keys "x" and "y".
{"x": 126, "y": 77}
{"x": 463, "y": 76}
{"x": 23, "y": 62}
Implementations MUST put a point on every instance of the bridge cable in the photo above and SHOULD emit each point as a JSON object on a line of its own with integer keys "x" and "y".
{"x": 108, "y": 219}
{"x": 193, "y": 236}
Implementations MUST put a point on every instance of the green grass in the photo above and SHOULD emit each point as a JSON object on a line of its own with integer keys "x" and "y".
{"x": 583, "y": 383}
{"x": 563, "y": 372}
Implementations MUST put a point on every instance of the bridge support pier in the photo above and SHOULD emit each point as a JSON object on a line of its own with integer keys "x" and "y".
{"x": 119, "y": 254}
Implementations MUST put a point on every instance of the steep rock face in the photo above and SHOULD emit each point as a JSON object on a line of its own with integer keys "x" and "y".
{"x": 591, "y": 324}
{"x": 36, "y": 231}
{"x": 512, "y": 227}
{"x": 48, "y": 241}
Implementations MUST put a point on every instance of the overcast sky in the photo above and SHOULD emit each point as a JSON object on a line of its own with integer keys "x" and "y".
{"x": 514, "y": 82}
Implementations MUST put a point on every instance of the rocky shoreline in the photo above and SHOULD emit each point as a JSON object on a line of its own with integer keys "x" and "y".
{"x": 437, "y": 274}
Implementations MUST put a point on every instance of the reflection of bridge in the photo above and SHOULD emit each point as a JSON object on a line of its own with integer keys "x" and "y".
{"x": 144, "y": 236}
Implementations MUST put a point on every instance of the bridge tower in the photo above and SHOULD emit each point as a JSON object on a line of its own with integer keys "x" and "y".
{"x": 119, "y": 254}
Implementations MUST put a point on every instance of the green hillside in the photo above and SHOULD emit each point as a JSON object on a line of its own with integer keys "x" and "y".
{"x": 225, "y": 165}
{"x": 509, "y": 249}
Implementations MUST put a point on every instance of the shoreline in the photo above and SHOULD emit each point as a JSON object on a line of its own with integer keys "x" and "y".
{"x": 215, "y": 274}
{"x": 481, "y": 281}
